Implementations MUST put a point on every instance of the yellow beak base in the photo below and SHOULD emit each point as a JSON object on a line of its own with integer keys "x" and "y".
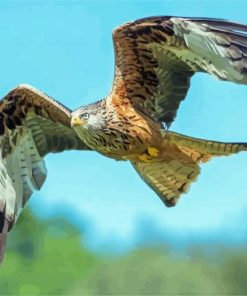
{"x": 76, "y": 121}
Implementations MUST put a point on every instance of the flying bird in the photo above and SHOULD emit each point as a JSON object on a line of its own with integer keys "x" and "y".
{"x": 155, "y": 58}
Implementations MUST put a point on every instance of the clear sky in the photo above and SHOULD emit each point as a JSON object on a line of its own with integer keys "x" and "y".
{"x": 64, "y": 48}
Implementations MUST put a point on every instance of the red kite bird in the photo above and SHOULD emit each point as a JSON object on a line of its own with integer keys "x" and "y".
{"x": 155, "y": 60}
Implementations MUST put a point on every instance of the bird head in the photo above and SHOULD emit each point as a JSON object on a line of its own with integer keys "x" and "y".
{"x": 88, "y": 117}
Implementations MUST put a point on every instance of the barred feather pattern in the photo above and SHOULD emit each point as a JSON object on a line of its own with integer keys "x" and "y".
{"x": 31, "y": 126}
{"x": 178, "y": 165}
{"x": 157, "y": 56}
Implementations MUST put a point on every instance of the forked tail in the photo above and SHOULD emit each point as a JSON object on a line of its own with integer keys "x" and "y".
{"x": 202, "y": 150}
{"x": 179, "y": 167}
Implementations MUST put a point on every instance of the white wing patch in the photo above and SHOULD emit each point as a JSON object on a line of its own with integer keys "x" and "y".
{"x": 7, "y": 191}
{"x": 207, "y": 50}
{"x": 25, "y": 172}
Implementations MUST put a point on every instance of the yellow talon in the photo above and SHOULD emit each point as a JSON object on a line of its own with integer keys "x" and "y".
{"x": 145, "y": 157}
{"x": 153, "y": 151}
{"x": 150, "y": 153}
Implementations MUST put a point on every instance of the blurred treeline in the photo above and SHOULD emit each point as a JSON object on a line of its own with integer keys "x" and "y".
{"x": 49, "y": 258}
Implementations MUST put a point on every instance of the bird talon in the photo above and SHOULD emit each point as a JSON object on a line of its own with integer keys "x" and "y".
{"x": 153, "y": 151}
{"x": 145, "y": 157}
{"x": 150, "y": 153}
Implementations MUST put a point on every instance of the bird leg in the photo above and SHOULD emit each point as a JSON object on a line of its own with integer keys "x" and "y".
{"x": 153, "y": 151}
{"x": 149, "y": 154}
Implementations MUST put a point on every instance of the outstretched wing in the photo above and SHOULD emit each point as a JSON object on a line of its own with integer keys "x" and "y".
{"x": 31, "y": 125}
{"x": 156, "y": 57}
{"x": 173, "y": 174}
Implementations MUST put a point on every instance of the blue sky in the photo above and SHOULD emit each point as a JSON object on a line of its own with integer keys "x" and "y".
{"x": 64, "y": 48}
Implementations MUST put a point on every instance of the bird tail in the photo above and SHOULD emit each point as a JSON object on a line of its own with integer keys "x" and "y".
{"x": 178, "y": 164}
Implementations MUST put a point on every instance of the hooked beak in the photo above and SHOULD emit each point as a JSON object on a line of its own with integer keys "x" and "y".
{"x": 76, "y": 121}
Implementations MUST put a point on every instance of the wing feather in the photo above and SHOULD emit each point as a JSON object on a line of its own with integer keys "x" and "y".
{"x": 172, "y": 175}
{"x": 156, "y": 57}
{"x": 31, "y": 126}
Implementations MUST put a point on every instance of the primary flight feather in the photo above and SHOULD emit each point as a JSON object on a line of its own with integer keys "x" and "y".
{"x": 155, "y": 59}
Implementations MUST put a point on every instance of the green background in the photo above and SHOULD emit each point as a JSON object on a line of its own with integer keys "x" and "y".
{"x": 47, "y": 257}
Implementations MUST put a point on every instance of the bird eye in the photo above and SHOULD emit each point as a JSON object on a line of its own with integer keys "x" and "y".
{"x": 85, "y": 116}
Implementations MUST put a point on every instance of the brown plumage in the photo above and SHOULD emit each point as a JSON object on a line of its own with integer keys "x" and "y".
{"x": 155, "y": 59}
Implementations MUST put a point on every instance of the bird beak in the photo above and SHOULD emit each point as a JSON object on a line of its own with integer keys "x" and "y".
{"x": 76, "y": 121}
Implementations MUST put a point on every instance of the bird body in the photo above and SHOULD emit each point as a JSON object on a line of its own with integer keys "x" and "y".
{"x": 118, "y": 131}
{"x": 155, "y": 58}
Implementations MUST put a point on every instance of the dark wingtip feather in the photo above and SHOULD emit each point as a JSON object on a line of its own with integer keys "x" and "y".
{"x": 224, "y": 23}
{"x": 217, "y": 22}
{"x": 3, "y": 238}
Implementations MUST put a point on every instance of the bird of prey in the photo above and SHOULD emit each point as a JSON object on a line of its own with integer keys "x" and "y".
{"x": 155, "y": 58}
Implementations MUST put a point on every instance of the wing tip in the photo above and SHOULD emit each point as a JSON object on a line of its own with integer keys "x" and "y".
{"x": 3, "y": 239}
{"x": 170, "y": 203}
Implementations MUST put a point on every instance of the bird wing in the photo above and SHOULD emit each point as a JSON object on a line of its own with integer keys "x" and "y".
{"x": 31, "y": 125}
{"x": 169, "y": 178}
{"x": 179, "y": 166}
{"x": 156, "y": 57}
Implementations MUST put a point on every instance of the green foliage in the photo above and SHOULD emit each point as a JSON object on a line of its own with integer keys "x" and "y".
{"x": 153, "y": 272}
{"x": 48, "y": 258}
{"x": 43, "y": 258}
